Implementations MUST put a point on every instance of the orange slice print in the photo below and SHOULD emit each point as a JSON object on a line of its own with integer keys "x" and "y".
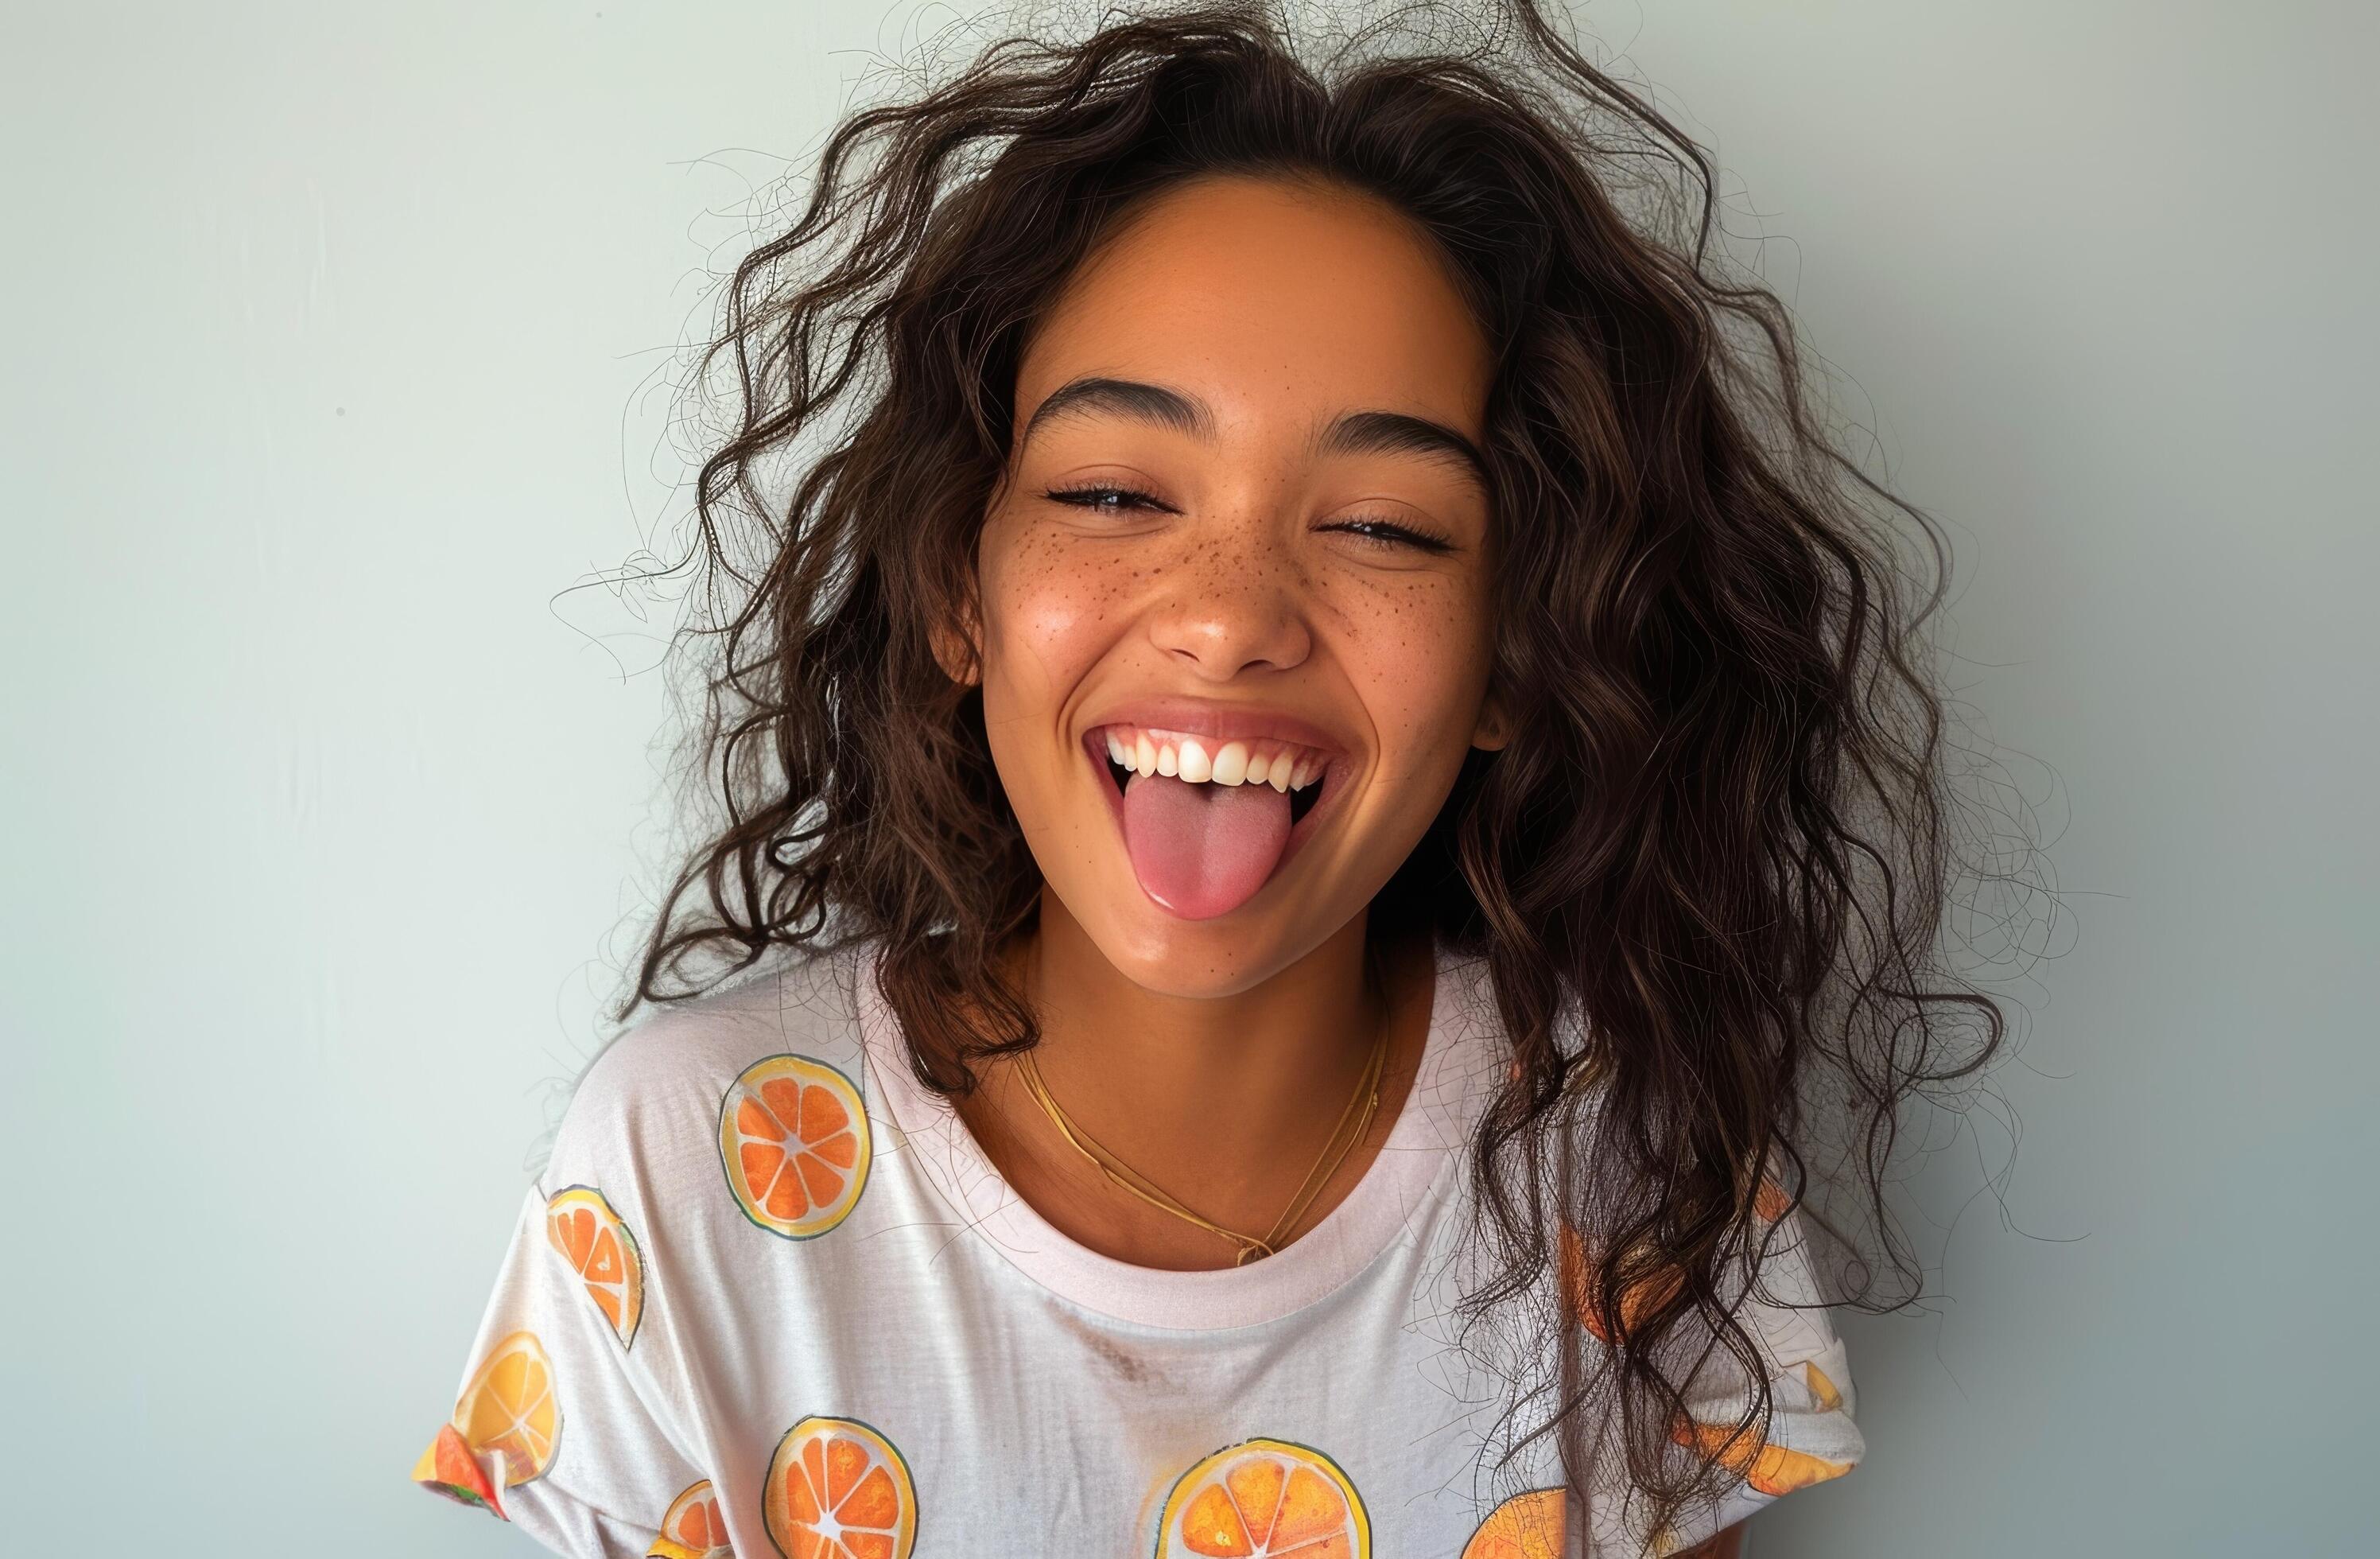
{"x": 449, "y": 1469}
{"x": 1527, "y": 1526}
{"x": 838, "y": 1489}
{"x": 583, "y": 1229}
{"x": 794, "y": 1139}
{"x": 1822, "y": 1390}
{"x": 1577, "y": 1270}
{"x": 506, "y": 1418}
{"x": 508, "y": 1410}
{"x": 1264, "y": 1499}
{"x": 1578, "y": 1285}
{"x": 1770, "y": 1468}
{"x": 693, "y": 1528}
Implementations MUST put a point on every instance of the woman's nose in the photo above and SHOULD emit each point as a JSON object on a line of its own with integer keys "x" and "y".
{"x": 1236, "y": 609}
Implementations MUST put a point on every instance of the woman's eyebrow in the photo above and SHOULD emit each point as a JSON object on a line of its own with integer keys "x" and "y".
{"x": 1351, "y": 433}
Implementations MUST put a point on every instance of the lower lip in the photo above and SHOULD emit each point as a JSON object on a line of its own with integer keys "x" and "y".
{"x": 1095, "y": 748}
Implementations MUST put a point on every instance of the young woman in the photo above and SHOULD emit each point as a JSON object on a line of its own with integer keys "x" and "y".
{"x": 1313, "y": 782}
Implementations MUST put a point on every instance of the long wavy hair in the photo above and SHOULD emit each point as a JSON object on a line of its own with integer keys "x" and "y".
{"x": 1709, "y": 872}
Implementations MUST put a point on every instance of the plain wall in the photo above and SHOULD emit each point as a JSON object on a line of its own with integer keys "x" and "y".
{"x": 338, "y": 339}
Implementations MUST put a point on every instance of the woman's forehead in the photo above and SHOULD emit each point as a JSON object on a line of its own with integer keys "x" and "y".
{"x": 1271, "y": 305}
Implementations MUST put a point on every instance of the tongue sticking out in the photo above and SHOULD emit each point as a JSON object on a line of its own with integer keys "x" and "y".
{"x": 1203, "y": 850}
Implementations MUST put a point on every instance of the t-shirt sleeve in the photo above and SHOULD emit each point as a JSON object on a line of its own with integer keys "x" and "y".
{"x": 563, "y": 1422}
{"x": 1811, "y": 1436}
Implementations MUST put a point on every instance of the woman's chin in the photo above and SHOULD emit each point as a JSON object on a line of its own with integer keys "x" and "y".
{"x": 1174, "y": 954}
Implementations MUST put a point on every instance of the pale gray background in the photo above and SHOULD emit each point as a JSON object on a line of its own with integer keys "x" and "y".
{"x": 331, "y": 345}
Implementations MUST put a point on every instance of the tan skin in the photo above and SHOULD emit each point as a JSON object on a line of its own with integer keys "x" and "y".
{"x": 1265, "y": 571}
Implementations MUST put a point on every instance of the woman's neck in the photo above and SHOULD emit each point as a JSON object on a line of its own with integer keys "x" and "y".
{"x": 1224, "y": 1103}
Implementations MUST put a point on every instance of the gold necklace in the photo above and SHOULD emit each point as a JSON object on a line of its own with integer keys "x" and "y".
{"x": 1366, "y": 1096}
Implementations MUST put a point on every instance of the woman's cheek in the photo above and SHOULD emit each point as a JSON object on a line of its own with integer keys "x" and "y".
{"x": 1050, "y": 609}
{"x": 1416, "y": 649}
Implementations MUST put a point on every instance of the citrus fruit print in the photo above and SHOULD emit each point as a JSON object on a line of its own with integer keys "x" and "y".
{"x": 506, "y": 1419}
{"x": 1264, "y": 1499}
{"x": 586, "y": 1234}
{"x": 1577, "y": 1272}
{"x": 1578, "y": 1285}
{"x": 449, "y": 1469}
{"x": 838, "y": 1489}
{"x": 1770, "y": 1468}
{"x": 1527, "y": 1526}
{"x": 693, "y": 1528}
{"x": 509, "y": 1409}
{"x": 793, "y": 1137}
{"x": 1822, "y": 1390}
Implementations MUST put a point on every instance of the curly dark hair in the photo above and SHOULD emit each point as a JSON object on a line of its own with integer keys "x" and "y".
{"x": 1709, "y": 873}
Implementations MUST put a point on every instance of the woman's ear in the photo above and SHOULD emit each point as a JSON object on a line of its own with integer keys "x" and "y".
{"x": 957, "y": 649}
{"x": 1494, "y": 728}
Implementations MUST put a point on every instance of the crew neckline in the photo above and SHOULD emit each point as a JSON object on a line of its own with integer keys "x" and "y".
{"x": 1413, "y": 1166}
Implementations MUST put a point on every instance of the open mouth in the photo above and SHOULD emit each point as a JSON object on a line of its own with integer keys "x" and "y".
{"x": 1209, "y": 820}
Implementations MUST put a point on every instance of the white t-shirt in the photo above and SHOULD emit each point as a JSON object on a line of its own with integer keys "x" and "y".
{"x": 771, "y": 1297}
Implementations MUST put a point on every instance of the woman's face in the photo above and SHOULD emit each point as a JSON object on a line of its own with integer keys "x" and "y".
{"x": 1243, "y": 536}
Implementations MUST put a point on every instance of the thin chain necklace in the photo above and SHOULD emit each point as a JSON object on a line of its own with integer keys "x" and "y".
{"x": 1361, "y": 1106}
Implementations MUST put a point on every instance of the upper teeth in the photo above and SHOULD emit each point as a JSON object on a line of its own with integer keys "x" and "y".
{"x": 1208, "y": 761}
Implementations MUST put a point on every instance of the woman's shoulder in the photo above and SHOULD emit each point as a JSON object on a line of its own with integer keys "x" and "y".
{"x": 655, "y": 1088}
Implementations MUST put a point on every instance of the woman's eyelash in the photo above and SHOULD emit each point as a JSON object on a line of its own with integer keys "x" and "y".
{"x": 1382, "y": 533}
{"x": 1087, "y": 497}
{"x": 1388, "y": 532}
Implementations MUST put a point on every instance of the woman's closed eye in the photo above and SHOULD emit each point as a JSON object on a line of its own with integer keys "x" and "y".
{"x": 1095, "y": 497}
{"x": 1389, "y": 533}
{"x": 1366, "y": 527}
